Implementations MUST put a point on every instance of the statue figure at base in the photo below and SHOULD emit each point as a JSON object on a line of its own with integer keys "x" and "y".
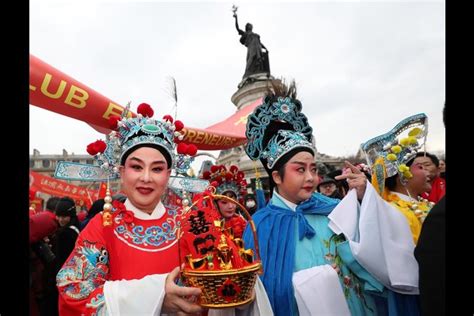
{"x": 257, "y": 53}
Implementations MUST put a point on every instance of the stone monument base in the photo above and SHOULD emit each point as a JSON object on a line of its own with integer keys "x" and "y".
{"x": 250, "y": 89}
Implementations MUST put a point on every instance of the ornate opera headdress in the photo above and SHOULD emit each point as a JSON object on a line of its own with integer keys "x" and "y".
{"x": 277, "y": 126}
{"x": 227, "y": 180}
{"x": 388, "y": 154}
{"x": 131, "y": 133}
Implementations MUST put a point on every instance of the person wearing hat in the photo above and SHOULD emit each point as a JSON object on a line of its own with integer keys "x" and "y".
{"x": 126, "y": 260}
{"x": 118, "y": 265}
{"x": 307, "y": 268}
{"x": 328, "y": 187}
{"x": 230, "y": 183}
{"x": 396, "y": 182}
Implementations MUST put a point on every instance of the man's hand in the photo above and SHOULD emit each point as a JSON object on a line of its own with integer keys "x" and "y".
{"x": 355, "y": 178}
{"x": 179, "y": 298}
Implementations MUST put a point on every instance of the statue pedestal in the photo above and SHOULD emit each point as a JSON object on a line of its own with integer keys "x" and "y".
{"x": 251, "y": 89}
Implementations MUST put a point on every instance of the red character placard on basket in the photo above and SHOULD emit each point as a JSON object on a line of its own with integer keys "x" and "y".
{"x": 215, "y": 258}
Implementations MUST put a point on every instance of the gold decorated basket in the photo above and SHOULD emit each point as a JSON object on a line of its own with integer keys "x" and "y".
{"x": 225, "y": 288}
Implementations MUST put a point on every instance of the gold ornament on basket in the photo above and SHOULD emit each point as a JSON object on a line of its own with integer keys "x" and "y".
{"x": 215, "y": 261}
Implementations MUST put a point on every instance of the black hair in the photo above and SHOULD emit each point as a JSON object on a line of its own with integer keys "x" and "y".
{"x": 96, "y": 207}
{"x": 161, "y": 149}
{"x": 119, "y": 197}
{"x": 433, "y": 158}
{"x": 65, "y": 207}
{"x": 391, "y": 182}
{"x": 51, "y": 203}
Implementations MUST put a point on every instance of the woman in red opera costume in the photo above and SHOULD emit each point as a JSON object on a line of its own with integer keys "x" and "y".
{"x": 125, "y": 261}
{"x": 122, "y": 260}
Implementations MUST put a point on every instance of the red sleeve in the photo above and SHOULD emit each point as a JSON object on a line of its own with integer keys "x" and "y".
{"x": 81, "y": 279}
{"x": 238, "y": 224}
{"x": 41, "y": 225}
{"x": 438, "y": 190}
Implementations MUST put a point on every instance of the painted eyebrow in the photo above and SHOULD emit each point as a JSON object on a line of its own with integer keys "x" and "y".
{"x": 154, "y": 162}
{"x": 313, "y": 164}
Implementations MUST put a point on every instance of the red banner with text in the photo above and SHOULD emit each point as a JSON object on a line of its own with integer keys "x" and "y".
{"x": 51, "y": 186}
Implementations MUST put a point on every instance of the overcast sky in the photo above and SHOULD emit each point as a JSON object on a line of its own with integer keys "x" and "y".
{"x": 360, "y": 67}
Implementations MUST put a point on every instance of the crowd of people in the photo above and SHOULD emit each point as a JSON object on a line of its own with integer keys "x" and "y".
{"x": 353, "y": 241}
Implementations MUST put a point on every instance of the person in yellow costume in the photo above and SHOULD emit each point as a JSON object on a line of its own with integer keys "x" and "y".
{"x": 395, "y": 175}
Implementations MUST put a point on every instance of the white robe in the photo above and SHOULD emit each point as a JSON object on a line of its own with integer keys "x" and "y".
{"x": 380, "y": 239}
{"x": 145, "y": 297}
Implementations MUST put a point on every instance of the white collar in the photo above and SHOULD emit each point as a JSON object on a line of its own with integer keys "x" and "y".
{"x": 290, "y": 205}
{"x": 405, "y": 197}
{"x": 156, "y": 214}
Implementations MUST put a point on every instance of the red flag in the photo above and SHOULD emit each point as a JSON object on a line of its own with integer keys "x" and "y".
{"x": 102, "y": 191}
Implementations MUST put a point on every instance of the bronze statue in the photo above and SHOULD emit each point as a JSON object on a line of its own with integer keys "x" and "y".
{"x": 257, "y": 59}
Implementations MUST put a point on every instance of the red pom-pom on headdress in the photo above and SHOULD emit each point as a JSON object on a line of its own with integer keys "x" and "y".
{"x": 100, "y": 145}
{"x": 145, "y": 110}
{"x": 233, "y": 168}
{"x": 96, "y": 147}
{"x": 168, "y": 118}
{"x": 214, "y": 168}
{"x": 113, "y": 120}
{"x": 182, "y": 148}
{"x": 178, "y": 125}
{"x": 192, "y": 150}
{"x": 91, "y": 149}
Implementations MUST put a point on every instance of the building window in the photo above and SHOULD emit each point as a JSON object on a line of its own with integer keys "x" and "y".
{"x": 89, "y": 161}
{"x": 32, "y": 163}
{"x": 75, "y": 160}
{"x": 46, "y": 163}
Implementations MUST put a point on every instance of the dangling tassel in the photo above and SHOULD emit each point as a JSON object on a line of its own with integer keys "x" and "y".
{"x": 379, "y": 173}
{"x": 107, "y": 213}
{"x": 259, "y": 194}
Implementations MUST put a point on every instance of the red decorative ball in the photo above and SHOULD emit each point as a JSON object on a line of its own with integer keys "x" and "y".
{"x": 168, "y": 118}
{"x": 233, "y": 168}
{"x": 145, "y": 110}
{"x": 182, "y": 148}
{"x": 192, "y": 150}
{"x": 91, "y": 149}
{"x": 228, "y": 176}
{"x": 100, "y": 145}
{"x": 178, "y": 125}
{"x": 113, "y": 120}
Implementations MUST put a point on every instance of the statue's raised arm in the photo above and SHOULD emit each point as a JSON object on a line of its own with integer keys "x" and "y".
{"x": 237, "y": 25}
